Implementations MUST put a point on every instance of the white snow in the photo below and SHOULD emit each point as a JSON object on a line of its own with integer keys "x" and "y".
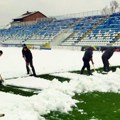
{"x": 53, "y": 95}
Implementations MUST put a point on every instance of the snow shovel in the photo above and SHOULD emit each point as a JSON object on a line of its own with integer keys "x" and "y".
{"x": 94, "y": 68}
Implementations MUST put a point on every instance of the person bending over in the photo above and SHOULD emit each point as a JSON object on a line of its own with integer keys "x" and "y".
{"x": 86, "y": 60}
{"x": 105, "y": 58}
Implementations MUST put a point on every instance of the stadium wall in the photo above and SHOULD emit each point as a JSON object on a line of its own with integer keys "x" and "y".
{"x": 67, "y": 47}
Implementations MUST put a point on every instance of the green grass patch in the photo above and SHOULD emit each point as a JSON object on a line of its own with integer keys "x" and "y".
{"x": 51, "y": 77}
{"x": 29, "y": 91}
{"x": 96, "y": 105}
{"x": 16, "y": 90}
{"x": 99, "y": 70}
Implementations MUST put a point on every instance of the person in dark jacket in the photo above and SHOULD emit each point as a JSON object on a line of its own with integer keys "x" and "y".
{"x": 88, "y": 56}
{"x": 27, "y": 55}
{"x": 1, "y": 79}
{"x": 1, "y": 52}
{"x": 105, "y": 58}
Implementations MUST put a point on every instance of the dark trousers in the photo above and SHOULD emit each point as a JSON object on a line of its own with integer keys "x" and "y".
{"x": 105, "y": 64}
{"x": 86, "y": 64}
{"x": 31, "y": 65}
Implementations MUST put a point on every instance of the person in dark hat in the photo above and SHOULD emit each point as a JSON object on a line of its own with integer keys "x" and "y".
{"x": 106, "y": 56}
{"x": 1, "y": 52}
{"x": 27, "y": 55}
{"x": 88, "y": 56}
{"x": 1, "y": 79}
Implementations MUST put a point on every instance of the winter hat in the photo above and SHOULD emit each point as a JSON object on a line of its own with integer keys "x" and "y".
{"x": 24, "y": 45}
{"x": 93, "y": 47}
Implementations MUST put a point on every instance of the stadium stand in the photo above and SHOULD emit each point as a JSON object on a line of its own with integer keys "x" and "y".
{"x": 98, "y": 30}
